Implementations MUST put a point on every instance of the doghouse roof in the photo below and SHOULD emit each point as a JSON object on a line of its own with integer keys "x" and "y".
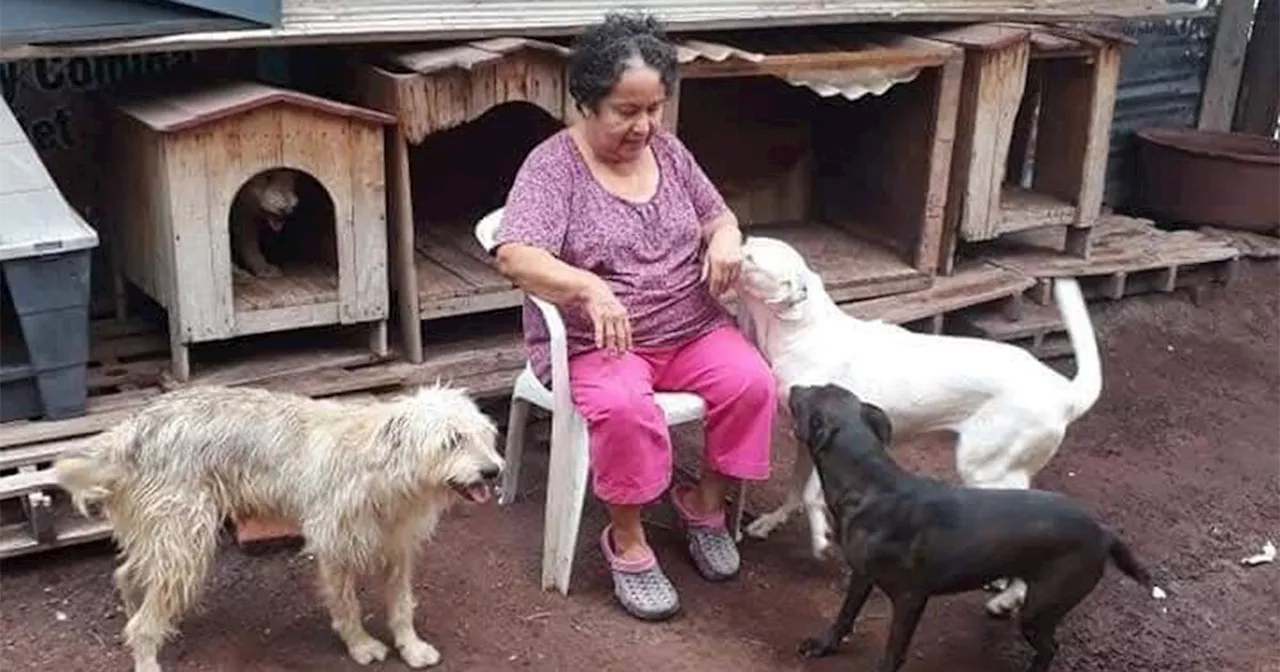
{"x": 172, "y": 111}
{"x": 1048, "y": 39}
{"x": 828, "y": 62}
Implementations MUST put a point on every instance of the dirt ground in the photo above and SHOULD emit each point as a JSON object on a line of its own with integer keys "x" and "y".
{"x": 1181, "y": 456}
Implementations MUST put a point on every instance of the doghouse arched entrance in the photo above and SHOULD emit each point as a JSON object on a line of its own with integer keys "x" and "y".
{"x": 461, "y": 174}
{"x": 283, "y": 241}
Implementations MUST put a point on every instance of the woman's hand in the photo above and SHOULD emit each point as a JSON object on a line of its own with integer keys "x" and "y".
{"x": 724, "y": 259}
{"x": 608, "y": 316}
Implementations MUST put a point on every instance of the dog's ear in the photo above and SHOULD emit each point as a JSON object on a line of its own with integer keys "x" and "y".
{"x": 879, "y": 423}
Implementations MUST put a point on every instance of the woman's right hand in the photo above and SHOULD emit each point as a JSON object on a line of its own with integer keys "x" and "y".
{"x": 608, "y": 316}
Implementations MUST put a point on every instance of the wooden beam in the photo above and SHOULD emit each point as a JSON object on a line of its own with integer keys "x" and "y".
{"x": 1259, "y": 99}
{"x": 1230, "y": 39}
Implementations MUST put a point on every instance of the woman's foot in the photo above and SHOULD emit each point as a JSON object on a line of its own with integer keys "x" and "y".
{"x": 638, "y": 581}
{"x": 709, "y": 542}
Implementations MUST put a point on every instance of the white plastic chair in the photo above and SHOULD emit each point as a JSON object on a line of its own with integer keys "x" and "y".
{"x": 569, "y": 463}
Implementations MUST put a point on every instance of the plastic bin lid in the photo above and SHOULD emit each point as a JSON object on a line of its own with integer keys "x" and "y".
{"x": 35, "y": 219}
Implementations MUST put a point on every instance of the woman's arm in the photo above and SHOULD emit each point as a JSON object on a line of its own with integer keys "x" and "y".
{"x": 722, "y": 228}
{"x": 542, "y": 274}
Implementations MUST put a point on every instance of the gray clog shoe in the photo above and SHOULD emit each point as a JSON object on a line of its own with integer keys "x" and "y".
{"x": 640, "y": 586}
{"x": 710, "y": 545}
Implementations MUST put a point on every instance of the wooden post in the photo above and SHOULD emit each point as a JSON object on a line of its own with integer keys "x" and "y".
{"x": 1222, "y": 83}
{"x": 1259, "y": 99}
{"x": 946, "y": 101}
{"x": 402, "y": 242}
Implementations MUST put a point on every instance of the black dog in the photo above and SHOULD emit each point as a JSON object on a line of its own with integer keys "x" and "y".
{"x": 914, "y": 537}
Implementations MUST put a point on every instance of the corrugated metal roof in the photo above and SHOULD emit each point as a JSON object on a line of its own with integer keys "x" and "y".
{"x": 894, "y": 58}
{"x": 858, "y": 62}
{"x": 202, "y": 104}
{"x": 37, "y": 219}
{"x": 348, "y": 21}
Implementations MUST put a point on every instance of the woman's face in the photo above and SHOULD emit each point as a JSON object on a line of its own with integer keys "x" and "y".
{"x": 624, "y": 121}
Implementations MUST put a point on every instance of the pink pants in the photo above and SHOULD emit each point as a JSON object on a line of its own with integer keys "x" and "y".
{"x": 630, "y": 446}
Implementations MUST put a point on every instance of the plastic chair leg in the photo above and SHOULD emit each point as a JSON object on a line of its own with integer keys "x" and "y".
{"x": 514, "y": 451}
{"x": 566, "y": 492}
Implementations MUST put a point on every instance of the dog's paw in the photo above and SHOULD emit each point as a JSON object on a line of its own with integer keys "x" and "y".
{"x": 823, "y": 549}
{"x": 761, "y": 527}
{"x": 268, "y": 271}
{"x": 816, "y": 647}
{"x": 419, "y": 654}
{"x": 1002, "y": 606}
{"x": 367, "y": 651}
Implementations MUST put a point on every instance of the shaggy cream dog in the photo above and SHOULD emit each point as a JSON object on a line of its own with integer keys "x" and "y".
{"x": 366, "y": 483}
{"x": 1009, "y": 410}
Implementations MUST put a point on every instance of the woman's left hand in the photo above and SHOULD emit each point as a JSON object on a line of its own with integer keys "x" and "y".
{"x": 724, "y": 260}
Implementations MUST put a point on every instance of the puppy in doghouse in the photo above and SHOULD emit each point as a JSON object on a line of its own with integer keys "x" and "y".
{"x": 1008, "y": 410}
{"x": 366, "y": 484}
{"x": 914, "y": 537}
{"x": 263, "y": 204}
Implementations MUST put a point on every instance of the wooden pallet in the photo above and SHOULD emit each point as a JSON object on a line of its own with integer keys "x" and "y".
{"x": 972, "y": 284}
{"x": 1039, "y": 329}
{"x": 37, "y": 516}
{"x": 1129, "y": 256}
{"x": 1250, "y": 244}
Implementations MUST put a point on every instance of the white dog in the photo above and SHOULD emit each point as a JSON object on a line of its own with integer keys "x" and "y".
{"x": 1009, "y": 410}
{"x": 366, "y": 484}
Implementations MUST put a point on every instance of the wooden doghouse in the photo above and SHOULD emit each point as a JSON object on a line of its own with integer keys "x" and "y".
{"x": 1010, "y": 172}
{"x": 836, "y": 142}
{"x": 468, "y": 114}
{"x": 182, "y": 158}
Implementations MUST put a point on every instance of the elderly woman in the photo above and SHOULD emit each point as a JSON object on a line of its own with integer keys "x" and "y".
{"x": 614, "y": 221}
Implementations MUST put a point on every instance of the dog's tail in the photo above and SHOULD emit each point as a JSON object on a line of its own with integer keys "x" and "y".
{"x": 1125, "y": 562}
{"x": 86, "y": 474}
{"x": 1086, "y": 387}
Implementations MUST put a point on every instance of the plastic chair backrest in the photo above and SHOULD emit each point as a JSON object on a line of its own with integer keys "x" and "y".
{"x": 487, "y": 229}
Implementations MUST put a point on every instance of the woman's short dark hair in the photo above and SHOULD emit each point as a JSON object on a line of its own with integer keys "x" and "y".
{"x": 600, "y": 55}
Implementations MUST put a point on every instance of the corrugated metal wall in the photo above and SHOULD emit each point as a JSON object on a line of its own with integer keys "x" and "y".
{"x": 1160, "y": 82}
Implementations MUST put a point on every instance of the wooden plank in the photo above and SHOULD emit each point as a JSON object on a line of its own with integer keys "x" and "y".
{"x": 277, "y": 364}
{"x": 200, "y": 275}
{"x": 1226, "y": 61}
{"x": 38, "y": 453}
{"x": 1022, "y": 209}
{"x": 941, "y": 146}
{"x": 1250, "y": 244}
{"x": 1122, "y": 245}
{"x": 983, "y": 36}
{"x": 436, "y": 281}
{"x": 1102, "y": 97}
{"x": 368, "y": 296}
{"x": 1004, "y": 81}
{"x": 444, "y": 248}
{"x": 301, "y": 285}
{"x": 23, "y": 482}
{"x": 48, "y": 430}
{"x": 315, "y": 144}
{"x": 991, "y": 323}
{"x": 844, "y": 261}
{"x": 15, "y": 541}
{"x": 970, "y": 285}
{"x": 1258, "y": 104}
